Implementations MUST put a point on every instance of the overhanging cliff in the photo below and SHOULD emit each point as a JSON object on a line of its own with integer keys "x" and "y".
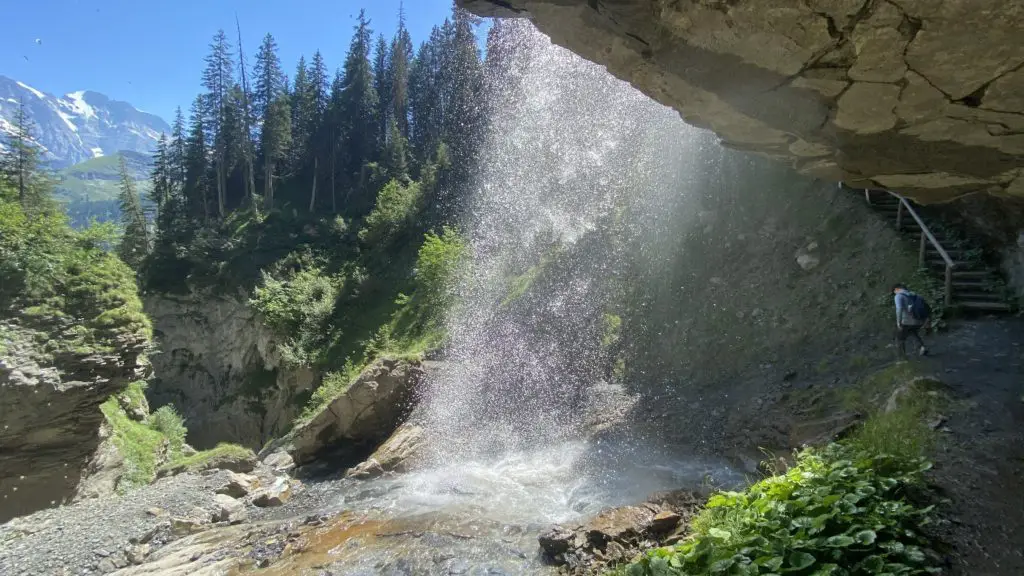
{"x": 921, "y": 96}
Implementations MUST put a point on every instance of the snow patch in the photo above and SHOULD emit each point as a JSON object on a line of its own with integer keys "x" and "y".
{"x": 38, "y": 94}
{"x": 79, "y": 105}
{"x": 97, "y": 152}
{"x": 67, "y": 120}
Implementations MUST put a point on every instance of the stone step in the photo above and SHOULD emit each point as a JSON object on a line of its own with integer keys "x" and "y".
{"x": 960, "y": 274}
{"x": 975, "y": 295}
{"x": 984, "y": 306}
{"x": 967, "y": 284}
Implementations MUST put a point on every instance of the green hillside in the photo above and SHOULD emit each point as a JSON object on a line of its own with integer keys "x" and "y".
{"x": 89, "y": 189}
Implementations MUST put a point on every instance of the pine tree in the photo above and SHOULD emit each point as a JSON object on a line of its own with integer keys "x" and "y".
{"x": 424, "y": 98}
{"x": 359, "y": 107}
{"x": 394, "y": 154}
{"x": 160, "y": 175}
{"x": 319, "y": 94}
{"x": 382, "y": 86}
{"x": 271, "y": 107}
{"x": 196, "y": 189}
{"x": 135, "y": 241}
{"x": 176, "y": 150}
{"x": 301, "y": 102}
{"x": 248, "y": 153}
{"x": 217, "y": 79}
{"x": 398, "y": 75}
{"x": 335, "y": 128}
{"x": 21, "y": 163}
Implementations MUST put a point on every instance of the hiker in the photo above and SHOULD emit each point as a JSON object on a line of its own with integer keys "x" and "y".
{"x": 912, "y": 314}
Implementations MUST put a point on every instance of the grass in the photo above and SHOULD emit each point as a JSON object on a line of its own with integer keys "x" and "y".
{"x": 207, "y": 458}
{"x": 139, "y": 444}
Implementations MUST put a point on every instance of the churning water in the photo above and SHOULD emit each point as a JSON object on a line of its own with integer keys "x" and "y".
{"x": 576, "y": 165}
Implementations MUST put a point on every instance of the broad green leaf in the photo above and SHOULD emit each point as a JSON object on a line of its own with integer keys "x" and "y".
{"x": 839, "y": 541}
{"x": 799, "y": 561}
{"x": 719, "y": 533}
{"x": 722, "y": 565}
{"x": 865, "y": 536}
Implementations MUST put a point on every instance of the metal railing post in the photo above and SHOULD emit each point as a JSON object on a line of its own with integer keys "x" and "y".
{"x": 924, "y": 247}
{"x": 949, "y": 285}
{"x": 899, "y": 216}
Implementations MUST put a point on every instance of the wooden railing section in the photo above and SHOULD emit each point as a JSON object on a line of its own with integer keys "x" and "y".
{"x": 926, "y": 236}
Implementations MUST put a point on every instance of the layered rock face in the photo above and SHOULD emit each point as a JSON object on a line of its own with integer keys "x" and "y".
{"x": 220, "y": 367}
{"x": 51, "y": 418}
{"x": 921, "y": 96}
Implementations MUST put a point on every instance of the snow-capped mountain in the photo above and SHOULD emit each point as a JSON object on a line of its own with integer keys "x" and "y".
{"x": 80, "y": 125}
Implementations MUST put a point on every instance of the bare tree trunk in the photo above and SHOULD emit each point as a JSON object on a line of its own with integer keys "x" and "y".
{"x": 334, "y": 202}
{"x": 221, "y": 184}
{"x": 268, "y": 185}
{"x": 312, "y": 196}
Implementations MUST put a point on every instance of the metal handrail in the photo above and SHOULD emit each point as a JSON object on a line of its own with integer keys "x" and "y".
{"x": 925, "y": 234}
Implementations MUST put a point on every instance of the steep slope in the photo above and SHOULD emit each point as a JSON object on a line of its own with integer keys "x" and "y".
{"x": 80, "y": 125}
{"x": 89, "y": 189}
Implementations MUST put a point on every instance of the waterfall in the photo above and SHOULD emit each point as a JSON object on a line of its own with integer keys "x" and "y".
{"x": 572, "y": 159}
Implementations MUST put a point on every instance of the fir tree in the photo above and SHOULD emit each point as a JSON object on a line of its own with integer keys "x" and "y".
{"x": 217, "y": 79}
{"x": 21, "y": 163}
{"x": 359, "y": 107}
{"x": 382, "y": 86}
{"x": 176, "y": 150}
{"x": 271, "y": 107}
{"x": 161, "y": 174}
{"x": 398, "y": 75}
{"x": 135, "y": 241}
{"x": 196, "y": 165}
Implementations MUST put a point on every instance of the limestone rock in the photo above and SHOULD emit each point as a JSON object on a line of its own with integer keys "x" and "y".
{"x": 808, "y": 261}
{"x": 228, "y": 509}
{"x": 618, "y": 524}
{"x": 774, "y": 77}
{"x": 664, "y": 522}
{"x": 215, "y": 347}
{"x": 50, "y": 418}
{"x": 394, "y": 455}
{"x": 368, "y": 411}
{"x": 274, "y": 495}
{"x": 195, "y": 521}
{"x": 279, "y": 461}
{"x": 556, "y": 541}
{"x": 238, "y": 485}
{"x": 104, "y": 470}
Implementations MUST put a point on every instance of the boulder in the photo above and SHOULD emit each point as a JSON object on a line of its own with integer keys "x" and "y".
{"x": 238, "y": 485}
{"x": 279, "y": 461}
{"x": 558, "y": 540}
{"x": 394, "y": 455}
{"x": 195, "y": 521}
{"x": 234, "y": 461}
{"x": 365, "y": 413}
{"x": 882, "y": 94}
{"x": 228, "y": 509}
{"x": 274, "y": 495}
{"x": 618, "y": 524}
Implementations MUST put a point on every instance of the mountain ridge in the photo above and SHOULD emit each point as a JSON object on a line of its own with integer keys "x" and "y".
{"x": 80, "y": 125}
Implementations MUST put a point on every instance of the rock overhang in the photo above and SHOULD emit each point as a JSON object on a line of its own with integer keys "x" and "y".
{"x": 925, "y": 97}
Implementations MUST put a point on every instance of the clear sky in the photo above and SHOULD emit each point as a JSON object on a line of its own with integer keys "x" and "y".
{"x": 150, "y": 52}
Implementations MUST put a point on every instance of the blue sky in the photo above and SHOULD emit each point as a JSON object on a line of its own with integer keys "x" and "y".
{"x": 150, "y": 52}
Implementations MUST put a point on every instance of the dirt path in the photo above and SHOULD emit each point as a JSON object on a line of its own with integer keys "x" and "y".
{"x": 980, "y": 461}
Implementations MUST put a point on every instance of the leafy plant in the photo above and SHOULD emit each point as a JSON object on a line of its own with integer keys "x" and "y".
{"x": 839, "y": 510}
{"x": 168, "y": 422}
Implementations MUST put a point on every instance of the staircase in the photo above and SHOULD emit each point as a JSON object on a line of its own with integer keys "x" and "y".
{"x": 970, "y": 284}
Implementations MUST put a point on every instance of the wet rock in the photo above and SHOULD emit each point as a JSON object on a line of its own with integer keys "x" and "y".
{"x": 394, "y": 455}
{"x": 623, "y": 523}
{"x": 556, "y": 541}
{"x": 274, "y": 495}
{"x": 239, "y": 485}
{"x": 664, "y": 522}
{"x": 228, "y": 509}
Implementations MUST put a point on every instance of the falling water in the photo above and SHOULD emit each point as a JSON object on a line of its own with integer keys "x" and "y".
{"x": 576, "y": 165}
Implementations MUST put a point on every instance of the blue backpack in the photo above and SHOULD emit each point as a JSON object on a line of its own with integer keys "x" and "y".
{"x": 919, "y": 307}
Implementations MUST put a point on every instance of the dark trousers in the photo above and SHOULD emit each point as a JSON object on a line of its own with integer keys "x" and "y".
{"x": 905, "y": 332}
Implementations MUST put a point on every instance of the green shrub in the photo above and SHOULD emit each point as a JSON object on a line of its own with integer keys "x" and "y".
{"x": 838, "y": 511}
{"x": 298, "y": 307}
{"x": 168, "y": 422}
{"x": 395, "y": 212}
